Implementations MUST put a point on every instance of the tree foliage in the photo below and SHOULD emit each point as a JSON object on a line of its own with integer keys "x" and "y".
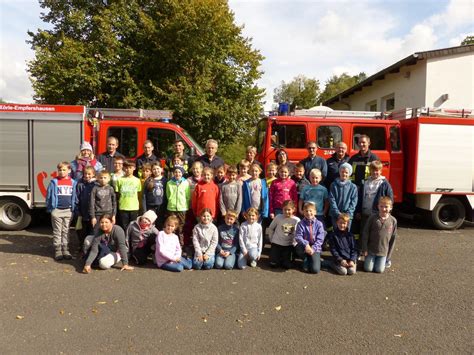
{"x": 183, "y": 55}
{"x": 301, "y": 92}
{"x": 338, "y": 83}
{"x": 467, "y": 41}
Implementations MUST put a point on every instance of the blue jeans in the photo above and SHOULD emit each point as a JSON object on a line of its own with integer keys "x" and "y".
{"x": 205, "y": 264}
{"x": 374, "y": 263}
{"x": 184, "y": 263}
{"x": 226, "y": 263}
{"x": 311, "y": 263}
{"x": 252, "y": 255}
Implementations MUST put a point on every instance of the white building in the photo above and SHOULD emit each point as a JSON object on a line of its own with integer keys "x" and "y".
{"x": 437, "y": 78}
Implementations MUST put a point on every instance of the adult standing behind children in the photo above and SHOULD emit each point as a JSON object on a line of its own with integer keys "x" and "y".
{"x": 281, "y": 158}
{"x": 361, "y": 160}
{"x": 147, "y": 156}
{"x": 339, "y": 157}
{"x": 107, "y": 158}
{"x": 210, "y": 159}
{"x": 84, "y": 158}
{"x": 178, "y": 150}
{"x": 313, "y": 161}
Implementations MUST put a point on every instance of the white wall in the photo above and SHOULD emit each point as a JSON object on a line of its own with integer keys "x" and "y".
{"x": 452, "y": 75}
{"x": 408, "y": 85}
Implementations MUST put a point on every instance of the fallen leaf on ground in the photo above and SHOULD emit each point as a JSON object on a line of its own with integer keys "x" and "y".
{"x": 95, "y": 310}
{"x": 65, "y": 330}
{"x": 61, "y": 311}
{"x": 398, "y": 335}
{"x": 305, "y": 287}
{"x": 20, "y": 317}
{"x": 278, "y": 308}
{"x": 101, "y": 302}
{"x": 204, "y": 319}
{"x": 12, "y": 264}
{"x": 116, "y": 301}
{"x": 386, "y": 298}
{"x": 45, "y": 261}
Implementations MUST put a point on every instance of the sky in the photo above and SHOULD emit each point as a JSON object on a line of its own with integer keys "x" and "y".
{"x": 315, "y": 38}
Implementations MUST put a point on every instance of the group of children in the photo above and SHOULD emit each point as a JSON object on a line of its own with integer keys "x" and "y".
{"x": 221, "y": 218}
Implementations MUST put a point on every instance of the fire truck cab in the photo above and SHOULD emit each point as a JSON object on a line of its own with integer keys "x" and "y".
{"x": 425, "y": 171}
{"x": 34, "y": 138}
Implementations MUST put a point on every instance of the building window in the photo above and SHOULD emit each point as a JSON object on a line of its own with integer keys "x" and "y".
{"x": 388, "y": 102}
{"x": 371, "y": 106}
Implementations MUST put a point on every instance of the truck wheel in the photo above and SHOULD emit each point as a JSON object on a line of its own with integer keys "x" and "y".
{"x": 14, "y": 215}
{"x": 448, "y": 214}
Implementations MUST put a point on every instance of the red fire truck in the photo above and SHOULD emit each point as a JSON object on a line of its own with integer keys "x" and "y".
{"x": 428, "y": 154}
{"x": 34, "y": 138}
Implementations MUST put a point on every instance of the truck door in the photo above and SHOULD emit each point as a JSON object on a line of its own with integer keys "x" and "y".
{"x": 379, "y": 138}
{"x": 396, "y": 164}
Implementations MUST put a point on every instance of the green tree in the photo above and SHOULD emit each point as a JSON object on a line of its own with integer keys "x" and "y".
{"x": 183, "y": 55}
{"x": 301, "y": 92}
{"x": 467, "y": 41}
{"x": 337, "y": 84}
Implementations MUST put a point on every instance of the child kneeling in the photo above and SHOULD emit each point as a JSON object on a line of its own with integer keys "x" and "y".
{"x": 168, "y": 250}
{"x": 250, "y": 239}
{"x": 343, "y": 248}
{"x": 309, "y": 237}
{"x": 205, "y": 237}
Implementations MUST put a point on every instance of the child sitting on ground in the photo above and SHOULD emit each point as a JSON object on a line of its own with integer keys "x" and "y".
{"x": 141, "y": 235}
{"x": 168, "y": 250}
{"x": 309, "y": 236}
{"x": 342, "y": 247}
{"x": 378, "y": 238}
{"x": 250, "y": 240}
{"x": 228, "y": 243}
{"x": 205, "y": 238}
{"x": 282, "y": 236}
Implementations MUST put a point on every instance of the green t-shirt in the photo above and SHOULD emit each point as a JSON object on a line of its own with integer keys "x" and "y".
{"x": 128, "y": 187}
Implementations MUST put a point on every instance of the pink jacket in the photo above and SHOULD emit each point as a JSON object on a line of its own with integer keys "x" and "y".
{"x": 167, "y": 248}
{"x": 280, "y": 191}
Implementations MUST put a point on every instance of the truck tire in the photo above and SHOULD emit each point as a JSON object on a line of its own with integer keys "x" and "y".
{"x": 14, "y": 215}
{"x": 448, "y": 214}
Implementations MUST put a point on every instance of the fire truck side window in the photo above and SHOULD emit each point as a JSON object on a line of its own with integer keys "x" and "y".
{"x": 395, "y": 138}
{"x": 163, "y": 140}
{"x": 376, "y": 134}
{"x": 127, "y": 137}
{"x": 328, "y": 136}
{"x": 290, "y": 136}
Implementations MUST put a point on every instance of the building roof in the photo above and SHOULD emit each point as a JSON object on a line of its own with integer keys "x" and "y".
{"x": 395, "y": 68}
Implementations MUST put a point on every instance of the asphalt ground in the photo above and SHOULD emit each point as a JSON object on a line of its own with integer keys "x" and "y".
{"x": 422, "y": 304}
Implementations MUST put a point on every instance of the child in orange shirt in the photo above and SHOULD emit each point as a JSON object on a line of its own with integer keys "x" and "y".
{"x": 206, "y": 194}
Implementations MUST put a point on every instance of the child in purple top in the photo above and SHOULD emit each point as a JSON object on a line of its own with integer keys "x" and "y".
{"x": 309, "y": 236}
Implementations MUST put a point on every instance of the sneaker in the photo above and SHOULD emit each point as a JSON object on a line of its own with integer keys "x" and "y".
{"x": 253, "y": 263}
{"x": 67, "y": 255}
{"x": 388, "y": 263}
{"x": 58, "y": 255}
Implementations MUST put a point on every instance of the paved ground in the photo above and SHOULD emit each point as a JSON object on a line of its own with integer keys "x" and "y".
{"x": 422, "y": 304}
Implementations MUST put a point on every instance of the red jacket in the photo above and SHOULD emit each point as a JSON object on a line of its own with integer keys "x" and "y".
{"x": 205, "y": 195}
{"x": 280, "y": 191}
